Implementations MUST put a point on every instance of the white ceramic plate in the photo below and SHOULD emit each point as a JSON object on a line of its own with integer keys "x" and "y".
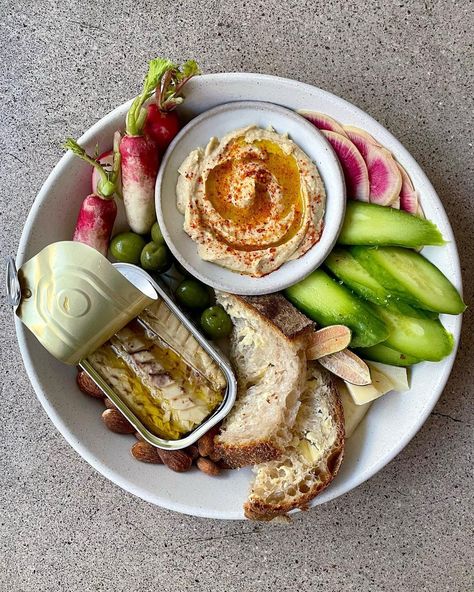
{"x": 392, "y": 421}
{"x": 216, "y": 123}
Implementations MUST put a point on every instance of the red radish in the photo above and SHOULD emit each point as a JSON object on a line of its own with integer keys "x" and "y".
{"x": 384, "y": 176}
{"x": 98, "y": 210}
{"x": 95, "y": 221}
{"x": 322, "y": 121}
{"x": 140, "y": 162}
{"x": 353, "y": 166}
{"x": 161, "y": 126}
{"x": 106, "y": 159}
{"x": 162, "y": 122}
{"x": 140, "y": 157}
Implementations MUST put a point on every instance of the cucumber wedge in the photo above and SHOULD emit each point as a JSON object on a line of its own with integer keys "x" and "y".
{"x": 370, "y": 224}
{"x": 386, "y": 355}
{"x": 408, "y": 275}
{"x": 346, "y": 268}
{"x": 328, "y": 303}
{"x": 422, "y": 338}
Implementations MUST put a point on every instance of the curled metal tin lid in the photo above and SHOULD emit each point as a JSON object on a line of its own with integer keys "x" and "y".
{"x": 73, "y": 299}
{"x": 13, "y": 285}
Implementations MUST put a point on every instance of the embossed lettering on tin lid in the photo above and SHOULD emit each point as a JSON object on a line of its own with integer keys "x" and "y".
{"x": 73, "y": 299}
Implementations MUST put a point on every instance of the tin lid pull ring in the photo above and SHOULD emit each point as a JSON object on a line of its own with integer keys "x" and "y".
{"x": 12, "y": 283}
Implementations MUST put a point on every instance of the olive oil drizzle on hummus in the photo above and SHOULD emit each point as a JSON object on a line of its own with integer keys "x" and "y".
{"x": 256, "y": 186}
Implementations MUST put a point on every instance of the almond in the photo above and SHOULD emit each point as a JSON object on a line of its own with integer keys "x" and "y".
{"x": 206, "y": 442}
{"x": 145, "y": 452}
{"x": 138, "y": 436}
{"x": 327, "y": 341}
{"x": 176, "y": 460}
{"x": 116, "y": 422}
{"x": 109, "y": 404}
{"x": 193, "y": 451}
{"x": 88, "y": 386}
{"x": 208, "y": 466}
{"x": 347, "y": 366}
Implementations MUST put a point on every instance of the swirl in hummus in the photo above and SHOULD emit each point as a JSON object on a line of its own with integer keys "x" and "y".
{"x": 251, "y": 201}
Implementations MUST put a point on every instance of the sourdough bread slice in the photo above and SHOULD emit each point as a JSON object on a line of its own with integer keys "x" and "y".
{"x": 312, "y": 458}
{"x": 268, "y": 344}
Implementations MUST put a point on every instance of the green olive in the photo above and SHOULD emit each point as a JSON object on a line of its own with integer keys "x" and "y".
{"x": 192, "y": 294}
{"x": 127, "y": 246}
{"x": 156, "y": 235}
{"x": 156, "y": 257}
{"x": 215, "y": 322}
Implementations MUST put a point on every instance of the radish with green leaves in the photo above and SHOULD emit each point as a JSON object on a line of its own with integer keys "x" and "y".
{"x": 162, "y": 121}
{"x": 140, "y": 156}
{"x": 106, "y": 159}
{"x": 98, "y": 210}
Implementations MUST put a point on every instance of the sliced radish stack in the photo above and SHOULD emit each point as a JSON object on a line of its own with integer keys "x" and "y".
{"x": 370, "y": 170}
{"x": 384, "y": 175}
{"x": 322, "y": 121}
{"x": 353, "y": 166}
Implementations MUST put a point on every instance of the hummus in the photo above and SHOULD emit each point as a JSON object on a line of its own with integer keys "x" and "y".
{"x": 251, "y": 201}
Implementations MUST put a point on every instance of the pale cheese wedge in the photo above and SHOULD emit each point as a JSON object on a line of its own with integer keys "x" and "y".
{"x": 385, "y": 378}
{"x": 396, "y": 374}
{"x": 353, "y": 414}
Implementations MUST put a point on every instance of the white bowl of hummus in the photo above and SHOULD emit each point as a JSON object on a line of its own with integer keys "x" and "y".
{"x": 250, "y": 197}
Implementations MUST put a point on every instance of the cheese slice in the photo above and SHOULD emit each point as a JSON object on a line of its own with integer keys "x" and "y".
{"x": 396, "y": 374}
{"x": 353, "y": 414}
{"x": 385, "y": 378}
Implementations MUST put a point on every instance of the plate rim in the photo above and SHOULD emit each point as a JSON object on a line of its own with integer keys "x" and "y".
{"x": 167, "y": 503}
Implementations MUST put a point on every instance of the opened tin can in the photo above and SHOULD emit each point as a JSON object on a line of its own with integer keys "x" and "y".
{"x": 123, "y": 329}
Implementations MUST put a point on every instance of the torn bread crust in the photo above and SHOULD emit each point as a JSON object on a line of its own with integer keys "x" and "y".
{"x": 268, "y": 347}
{"x": 276, "y": 309}
{"x": 275, "y": 495}
{"x": 248, "y": 454}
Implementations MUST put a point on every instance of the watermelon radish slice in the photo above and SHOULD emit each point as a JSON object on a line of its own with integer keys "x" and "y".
{"x": 353, "y": 166}
{"x": 408, "y": 196}
{"x": 358, "y": 131}
{"x": 322, "y": 121}
{"x": 106, "y": 160}
{"x": 384, "y": 176}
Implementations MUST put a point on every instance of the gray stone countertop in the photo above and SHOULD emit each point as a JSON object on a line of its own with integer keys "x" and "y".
{"x": 63, "y": 526}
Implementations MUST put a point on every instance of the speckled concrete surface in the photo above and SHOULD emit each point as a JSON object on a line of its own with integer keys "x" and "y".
{"x": 63, "y": 526}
